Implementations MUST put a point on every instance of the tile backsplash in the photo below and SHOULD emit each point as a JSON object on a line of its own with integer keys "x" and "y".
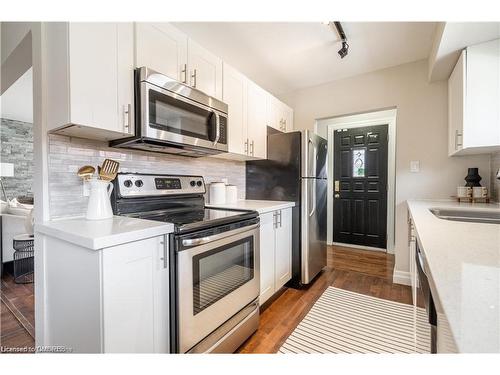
{"x": 67, "y": 155}
{"x": 495, "y": 184}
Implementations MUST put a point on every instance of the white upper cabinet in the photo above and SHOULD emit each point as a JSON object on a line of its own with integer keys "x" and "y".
{"x": 166, "y": 49}
{"x": 474, "y": 101}
{"x": 257, "y": 121}
{"x": 234, "y": 94}
{"x": 279, "y": 115}
{"x": 163, "y": 48}
{"x": 90, "y": 79}
{"x": 205, "y": 70}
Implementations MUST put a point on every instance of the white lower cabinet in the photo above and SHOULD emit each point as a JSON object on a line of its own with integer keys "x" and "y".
{"x": 113, "y": 300}
{"x": 275, "y": 252}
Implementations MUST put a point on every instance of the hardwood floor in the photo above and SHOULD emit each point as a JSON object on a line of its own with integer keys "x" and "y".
{"x": 17, "y": 314}
{"x": 360, "y": 271}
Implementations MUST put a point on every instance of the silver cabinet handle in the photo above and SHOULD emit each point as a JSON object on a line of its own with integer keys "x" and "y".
{"x": 281, "y": 223}
{"x": 275, "y": 219}
{"x": 457, "y": 134}
{"x": 193, "y": 76}
{"x": 165, "y": 252}
{"x": 246, "y": 146}
{"x": 252, "y": 147}
{"x": 126, "y": 117}
{"x": 184, "y": 72}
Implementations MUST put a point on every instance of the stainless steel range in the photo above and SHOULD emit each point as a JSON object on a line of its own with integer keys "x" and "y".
{"x": 214, "y": 258}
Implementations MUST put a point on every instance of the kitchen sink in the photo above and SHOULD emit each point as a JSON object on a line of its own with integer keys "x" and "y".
{"x": 473, "y": 216}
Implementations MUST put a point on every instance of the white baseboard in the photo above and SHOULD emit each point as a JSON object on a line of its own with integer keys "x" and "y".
{"x": 401, "y": 277}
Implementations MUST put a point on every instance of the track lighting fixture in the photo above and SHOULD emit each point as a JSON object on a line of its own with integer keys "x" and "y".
{"x": 340, "y": 31}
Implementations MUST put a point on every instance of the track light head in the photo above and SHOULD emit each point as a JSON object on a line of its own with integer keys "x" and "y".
{"x": 344, "y": 50}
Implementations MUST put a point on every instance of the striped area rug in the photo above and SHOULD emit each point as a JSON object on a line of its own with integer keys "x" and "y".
{"x": 347, "y": 322}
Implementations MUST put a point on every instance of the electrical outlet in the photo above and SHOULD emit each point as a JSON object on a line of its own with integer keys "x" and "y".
{"x": 86, "y": 188}
{"x": 415, "y": 166}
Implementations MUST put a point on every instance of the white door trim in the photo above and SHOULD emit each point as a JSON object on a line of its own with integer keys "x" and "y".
{"x": 326, "y": 127}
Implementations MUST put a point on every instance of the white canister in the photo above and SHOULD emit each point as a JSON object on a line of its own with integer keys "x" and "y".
{"x": 231, "y": 193}
{"x": 464, "y": 192}
{"x": 479, "y": 192}
{"x": 217, "y": 193}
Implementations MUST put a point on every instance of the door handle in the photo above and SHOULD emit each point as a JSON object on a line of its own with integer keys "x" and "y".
{"x": 184, "y": 72}
{"x": 251, "y": 147}
{"x": 313, "y": 195}
{"x": 193, "y": 76}
{"x": 189, "y": 242}
{"x": 246, "y": 146}
{"x": 126, "y": 118}
{"x": 337, "y": 195}
{"x": 165, "y": 252}
{"x": 217, "y": 128}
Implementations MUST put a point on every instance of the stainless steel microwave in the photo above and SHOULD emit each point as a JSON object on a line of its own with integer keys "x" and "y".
{"x": 174, "y": 118}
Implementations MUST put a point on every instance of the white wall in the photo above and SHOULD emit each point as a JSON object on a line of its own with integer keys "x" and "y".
{"x": 17, "y": 102}
{"x": 421, "y": 130}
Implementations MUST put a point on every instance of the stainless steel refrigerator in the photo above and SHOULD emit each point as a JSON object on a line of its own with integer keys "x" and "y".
{"x": 295, "y": 170}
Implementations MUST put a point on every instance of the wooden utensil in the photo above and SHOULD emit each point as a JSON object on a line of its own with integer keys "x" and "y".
{"x": 86, "y": 172}
{"x": 109, "y": 170}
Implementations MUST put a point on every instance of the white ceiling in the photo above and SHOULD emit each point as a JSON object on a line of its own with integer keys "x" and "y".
{"x": 451, "y": 38}
{"x": 284, "y": 57}
{"x": 17, "y": 102}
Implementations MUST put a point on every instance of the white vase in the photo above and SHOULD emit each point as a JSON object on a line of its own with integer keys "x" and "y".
{"x": 99, "y": 206}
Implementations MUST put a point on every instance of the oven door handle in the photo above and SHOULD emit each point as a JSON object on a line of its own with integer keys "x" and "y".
{"x": 190, "y": 242}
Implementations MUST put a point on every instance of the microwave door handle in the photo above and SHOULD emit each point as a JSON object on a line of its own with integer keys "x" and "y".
{"x": 217, "y": 128}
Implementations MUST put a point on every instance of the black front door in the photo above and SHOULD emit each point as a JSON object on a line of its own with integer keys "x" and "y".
{"x": 360, "y": 186}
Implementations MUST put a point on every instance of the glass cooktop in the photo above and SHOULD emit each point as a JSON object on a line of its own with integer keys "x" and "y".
{"x": 195, "y": 218}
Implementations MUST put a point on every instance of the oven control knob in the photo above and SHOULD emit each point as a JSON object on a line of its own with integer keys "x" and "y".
{"x": 139, "y": 183}
{"x": 192, "y": 183}
{"x": 127, "y": 183}
{"x": 198, "y": 183}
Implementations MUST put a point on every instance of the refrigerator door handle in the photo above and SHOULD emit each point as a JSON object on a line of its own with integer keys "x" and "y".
{"x": 313, "y": 196}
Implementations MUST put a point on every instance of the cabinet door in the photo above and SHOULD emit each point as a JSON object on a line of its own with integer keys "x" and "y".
{"x": 482, "y": 116}
{"x": 205, "y": 70}
{"x": 456, "y": 105}
{"x": 161, "y": 47}
{"x": 128, "y": 284}
{"x": 93, "y": 74}
{"x": 272, "y": 112}
{"x": 234, "y": 94}
{"x": 288, "y": 119}
{"x": 283, "y": 252}
{"x": 257, "y": 116}
{"x": 125, "y": 61}
{"x": 161, "y": 276}
{"x": 267, "y": 250}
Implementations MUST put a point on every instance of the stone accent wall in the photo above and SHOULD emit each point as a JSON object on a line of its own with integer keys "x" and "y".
{"x": 67, "y": 155}
{"x": 16, "y": 145}
{"x": 495, "y": 184}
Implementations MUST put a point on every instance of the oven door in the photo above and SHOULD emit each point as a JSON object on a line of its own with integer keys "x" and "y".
{"x": 217, "y": 276}
{"x": 174, "y": 118}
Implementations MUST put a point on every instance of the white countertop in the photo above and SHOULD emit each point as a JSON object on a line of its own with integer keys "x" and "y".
{"x": 255, "y": 205}
{"x": 100, "y": 234}
{"x": 464, "y": 270}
